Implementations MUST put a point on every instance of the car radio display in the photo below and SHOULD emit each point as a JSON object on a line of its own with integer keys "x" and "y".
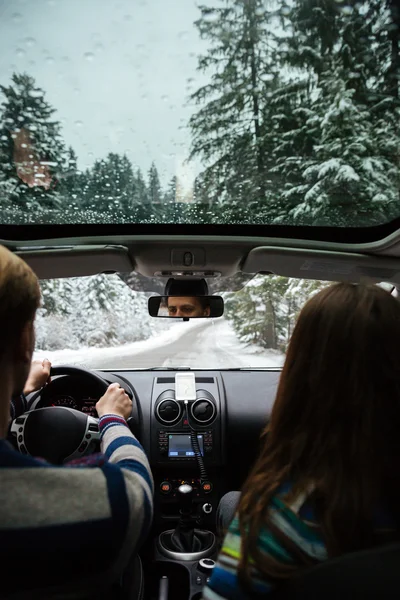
{"x": 180, "y": 446}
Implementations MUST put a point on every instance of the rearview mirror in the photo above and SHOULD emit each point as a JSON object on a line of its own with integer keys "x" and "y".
{"x": 186, "y": 307}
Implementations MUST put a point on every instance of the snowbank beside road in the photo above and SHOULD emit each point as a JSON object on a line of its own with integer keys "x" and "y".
{"x": 86, "y": 355}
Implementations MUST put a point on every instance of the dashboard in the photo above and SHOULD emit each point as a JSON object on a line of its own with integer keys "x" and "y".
{"x": 226, "y": 417}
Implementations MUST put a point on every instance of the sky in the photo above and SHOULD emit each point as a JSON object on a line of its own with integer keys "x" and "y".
{"x": 118, "y": 72}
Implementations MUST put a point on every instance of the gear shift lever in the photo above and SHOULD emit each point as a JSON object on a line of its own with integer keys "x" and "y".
{"x": 185, "y": 542}
{"x": 185, "y": 498}
{"x": 185, "y": 538}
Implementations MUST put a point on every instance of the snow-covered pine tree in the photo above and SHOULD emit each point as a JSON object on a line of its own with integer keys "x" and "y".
{"x": 98, "y": 197}
{"x": 73, "y": 184}
{"x": 111, "y": 185}
{"x": 352, "y": 176}
{"x": 227, "y": 129}
{"x": 141, "y": 193}
{"x": 264, "y": 312}
{"x": 338, "y": 158}
{"x": 154, "y": 186}
{"x": 170, "y": 194}
{"x": 32, "y": 152}
{"x": 121, "y": 178}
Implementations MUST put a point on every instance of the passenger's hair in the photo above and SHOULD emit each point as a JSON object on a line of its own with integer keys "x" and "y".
{"x": 334, "y": 426}
{"x": 19, "y": 298}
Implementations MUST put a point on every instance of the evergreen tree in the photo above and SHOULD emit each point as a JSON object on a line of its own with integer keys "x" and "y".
{"x": 32, "y": 152}
{"x": 111, "y": 186}
{"x": 74, "y": 183}
{"x": 141, "y": 193}
{"x": 336, "y": 133}
{"x": 122, "y": 181}
{"x": 154, "y": 186}
{"x": 352, "y": 175}
{"x": 96, "y": 311}
{"x": 264, "y": 312}
{"x": 56, "y": 296}
{"x": 227, "y": 129}
{"x": 170, "y": 194}
{"x": 99, "y": 196}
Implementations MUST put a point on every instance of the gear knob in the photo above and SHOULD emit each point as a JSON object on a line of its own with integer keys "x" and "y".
{"x": 185, "y": 497}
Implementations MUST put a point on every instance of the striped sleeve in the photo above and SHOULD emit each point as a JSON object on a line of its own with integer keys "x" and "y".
{"x": 224, "y": 582}
{"x": 121, "y": 448}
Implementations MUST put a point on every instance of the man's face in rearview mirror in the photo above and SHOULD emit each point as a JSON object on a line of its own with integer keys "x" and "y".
{"x": 188, "y": 306}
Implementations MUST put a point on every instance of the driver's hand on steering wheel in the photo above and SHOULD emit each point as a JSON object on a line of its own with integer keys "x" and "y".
{"x": 39, "y": 375}
{"x": 115, "y": 401}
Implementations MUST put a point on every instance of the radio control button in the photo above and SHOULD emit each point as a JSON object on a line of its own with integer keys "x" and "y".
{"x": 207, "y": 487}
{"x": 165, "y": 487}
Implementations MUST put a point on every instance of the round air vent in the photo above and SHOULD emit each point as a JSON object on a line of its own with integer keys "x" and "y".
{"x": 168, "y": 411}
{"x": 203, "y": 410}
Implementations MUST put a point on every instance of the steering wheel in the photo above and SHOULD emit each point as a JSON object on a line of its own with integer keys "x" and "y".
{"x": 58, "y": 433}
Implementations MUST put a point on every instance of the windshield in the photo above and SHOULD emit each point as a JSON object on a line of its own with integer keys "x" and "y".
{"x": 232, "y": 112}
{"x": 99, "y": 322}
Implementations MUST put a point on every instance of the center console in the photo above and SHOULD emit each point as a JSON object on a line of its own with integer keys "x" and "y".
{"x": 179, "y": 430}
{"x": 187, "y": 456}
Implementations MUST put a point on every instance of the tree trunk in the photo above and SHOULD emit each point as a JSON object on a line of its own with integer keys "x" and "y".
{"x": 250, "y": 9}
{"x": 393, "y": 72}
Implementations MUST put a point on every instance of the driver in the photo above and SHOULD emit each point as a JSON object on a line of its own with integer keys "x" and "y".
{"x": 70, "y": 524}
{"x": 188, "y": 306}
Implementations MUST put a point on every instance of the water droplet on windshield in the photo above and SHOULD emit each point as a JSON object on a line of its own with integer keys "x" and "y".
{"x": 78, "y": 124}
{"x": 99, "y": 47}
{"x": 20, "y": 52}
{"x": 30, "y": 41}
{"x": 50, "y": 60}
{"x": 17, "y": 18}
{"x": 165, "y": 98}
{"x": 89, "y": 56}
{"x": 127, "y": 18}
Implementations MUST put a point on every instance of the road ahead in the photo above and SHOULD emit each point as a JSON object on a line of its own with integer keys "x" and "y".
{"x": 203, "y": 346}
{"x": 197, "y": 344}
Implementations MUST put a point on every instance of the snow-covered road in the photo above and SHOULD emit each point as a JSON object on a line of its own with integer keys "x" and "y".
{"x": 197, "y": 344}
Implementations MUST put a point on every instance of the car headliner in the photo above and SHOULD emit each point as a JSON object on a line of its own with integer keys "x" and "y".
{"x": 69, "y": 251}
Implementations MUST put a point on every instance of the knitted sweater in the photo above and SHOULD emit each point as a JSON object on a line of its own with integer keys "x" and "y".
{"x": 74, "y": 522}
{"x": 297, "y": 524}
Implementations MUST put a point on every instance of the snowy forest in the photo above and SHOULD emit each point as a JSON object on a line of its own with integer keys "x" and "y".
{"x": 298, "y": 123}
{"x": 102, "y": 311}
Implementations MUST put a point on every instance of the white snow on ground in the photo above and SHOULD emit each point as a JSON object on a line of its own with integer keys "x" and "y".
{"x": 206, "y": 344}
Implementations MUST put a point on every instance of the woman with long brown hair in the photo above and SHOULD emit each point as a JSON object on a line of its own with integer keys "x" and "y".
{"x": 327, "y": 481}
